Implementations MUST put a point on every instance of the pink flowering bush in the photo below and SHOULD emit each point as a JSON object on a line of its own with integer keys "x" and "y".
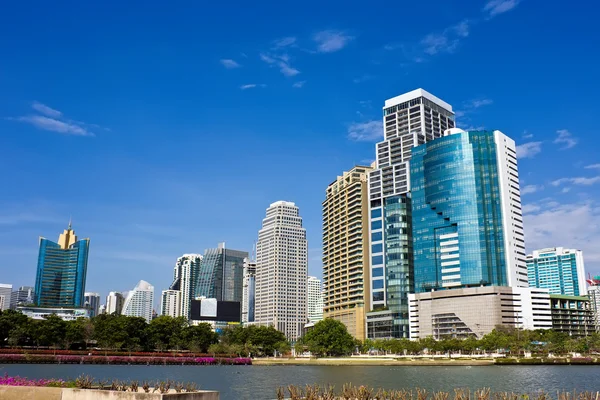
{"x": 122, "y": 360}
{"x": 18, "y": 381}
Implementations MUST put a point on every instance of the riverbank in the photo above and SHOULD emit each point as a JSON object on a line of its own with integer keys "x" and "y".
{"x": 364, "y": 361}
{"x": 119, "y": 360}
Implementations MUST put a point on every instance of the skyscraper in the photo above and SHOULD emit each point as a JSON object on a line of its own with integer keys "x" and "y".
{"x": 222, "y": 274}
{"x": 346, "y": 294}
{"x": 23, "y": 296}
{"x": 185, "y": 277}
{"x": 5, "y": 295}
{"x": 92, "y": 301}
{"x": 249, "y": 291}
{"x": 281, "y": 270}
{"x": 466, "y": 212}
{"x": 139, "y": 301}
{"x": 557, "y": 269}
{"x": 61, "y": 271}
{"x": 114, "y": 303}
{"x": 409, "y": 120}
{"x": 314, "y": 299}
{"x": 170, "y": 303}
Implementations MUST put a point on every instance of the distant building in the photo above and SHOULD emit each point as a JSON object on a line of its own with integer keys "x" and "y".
{"x": 102, "y": 309}
{"x": 65, "y": 313}
{"x": 139, "y": 301}
{"x": 248, "y": 291}
{"x": 22, "y": 297}
{"x": 219, "y": 314}
{"x": 61, "y": 271}
{"x": 557, "y": 269}
{"x": 314, "y": 299}
{"x": 572, "y": 315}
{"x": 185, "y": 280}
{"x": 92, "y": 301}
{"x": 114, "y": 303}
{"x": 170, "y": 303}
{"x": 594, "y": 296}
{"x": 476, "y": 311}
{"x": 222, "y": 274}
{"x": 346, "y": 277}
{"x": 281, "y": 271}
{"x": 5, "y": 295}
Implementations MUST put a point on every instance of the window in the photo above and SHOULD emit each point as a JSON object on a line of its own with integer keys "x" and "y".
{"x": 378, "y": 284}
{"x": 376, "y": 236}
{"x": 376, "y": 213}
{"x": 377, "y": 248}
{"x": 377, "y": 260}
{"x": 378, "y": 296}
{"x": 377, "y": 272}
{"x": 376, "y": 225}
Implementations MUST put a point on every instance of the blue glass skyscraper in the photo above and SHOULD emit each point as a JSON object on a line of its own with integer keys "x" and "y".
{"x": 61, "y": 271}
{"x": 221, "y": 274}
{"x": 466, "y": 212}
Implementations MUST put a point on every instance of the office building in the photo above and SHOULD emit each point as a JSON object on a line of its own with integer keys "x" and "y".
{"x": 572, "y": 315}
{"x": 346, "y": 292}
{"x": 466, "y": 212}
{"x": 114, "y": 303}
{"x": 409, "y": 120}
{"x": 64, "y": 313}
{"x": 248, "y": 291}
{"x": 139, "y": 301}
{"x": 5, "y": 296}
{"x": 170, "y": 303}
{"x": 92, "y": 301}
{"x": 557, "y": 269}
{"x": 222, "y": 274}
{"x": 281, "y": 270}
{"x": 314, "y": 299}
{"x": 61, "y": 271}
{"x": 185, "y": 279}
{"x": 22, "y": 297}
{"x": 475, "y": 311}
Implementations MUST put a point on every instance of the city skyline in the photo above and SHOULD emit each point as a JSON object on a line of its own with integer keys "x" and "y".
{"x": 141, "y": 221}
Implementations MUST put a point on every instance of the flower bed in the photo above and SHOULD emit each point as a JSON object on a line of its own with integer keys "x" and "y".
{"x": 109, "y": 353}
{"x": 122, "y": 360}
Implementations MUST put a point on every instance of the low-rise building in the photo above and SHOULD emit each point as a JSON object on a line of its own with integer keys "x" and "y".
{"x": 67, "y": 314}
{"x": 572, "y": 315}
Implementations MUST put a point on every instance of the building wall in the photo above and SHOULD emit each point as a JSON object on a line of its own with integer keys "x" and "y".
{"x": 249, "y": 291}
{"x": 281, "y": 270}
{"x": 222, "y": 274}
{"x": 5, "y": 295}
{"x": 114, "y": 303}
{"x": 171, "y": 303}
{"x": 139, "y": 301}
{"x": 594, "y": 296}
{"x": 557, "y": 269}
{"x": 346, "y": 278}
{"x": 314, "y": 299}
{"x": 92, "y": 301}
{"x": 476, "y": 311}
{"x": 23, "y": 296}
{"x": 572, "y": 315}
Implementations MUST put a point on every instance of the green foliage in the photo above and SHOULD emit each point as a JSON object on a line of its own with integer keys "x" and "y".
{"x": 329, "y": 337}
{"x": 165, "y": 332}
{"x": 199, "y": 338}
{"x": 255, "y": 340}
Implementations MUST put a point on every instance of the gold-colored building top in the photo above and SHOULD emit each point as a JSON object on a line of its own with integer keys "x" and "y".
{"x": 67, "y": 238}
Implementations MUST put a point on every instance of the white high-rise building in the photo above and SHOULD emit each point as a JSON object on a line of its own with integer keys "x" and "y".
{"x": 281, "y": 270}
{"x": 171, "y": 303}
{"x": 139, "y": 301}
{"x": 92, "y": 301}
{"x": 5, "y": 293}
{"x": 114, "y": 303}
{"x": 188, "y": 268}
{"x": 248, "y": 291}
{"x": 315, "y": 299}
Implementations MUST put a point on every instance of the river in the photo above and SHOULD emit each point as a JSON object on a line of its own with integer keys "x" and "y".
{"x": 260, "y": 382}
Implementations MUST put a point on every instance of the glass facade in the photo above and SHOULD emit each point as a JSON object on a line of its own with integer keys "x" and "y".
{"x": 61, "y": 273}
{"x": 221, "y": 275}
{"x": 456, "y": 213}
{"x": 558, "y": 270}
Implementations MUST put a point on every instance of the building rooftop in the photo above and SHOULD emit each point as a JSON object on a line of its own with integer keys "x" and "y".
{"x": 415, "y": 94}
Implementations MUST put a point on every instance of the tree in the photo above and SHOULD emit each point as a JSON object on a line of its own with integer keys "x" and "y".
{"x": 329, "y": 337}
{"x": 164, "y": 332}
{"x": 52, "y": 330}
{"x": 11, "y": 320}
{"x": 199, "y": 337}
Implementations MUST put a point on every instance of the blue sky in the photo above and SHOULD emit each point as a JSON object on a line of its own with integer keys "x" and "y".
{"x": 165, "y": 129}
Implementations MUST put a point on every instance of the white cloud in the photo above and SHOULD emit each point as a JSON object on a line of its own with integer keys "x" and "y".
{"x": 253, "y": 85}
{"x": 446, "y": 41}
{"x": 282, "y": 61}
{"x": 229, "y": 63}
{"x": 531, "y": 189}
{"x": 565, "y": 190}
{"x": 583, "y": 181}
{"x": 365, "y": 131}
{"x": 565, "y": 137}
{"x": 527, "y": 135}
{"x": 529, "y": 150}
{"x": 329, "y": 41}
{"x": 299, "y": 84}
{"x": 459, "y": 113}
{"x": 54, "y": 125}
{"x": 592, "y": 166}
{"x": 481, "y": 102}
{"x": 284, "y": 42}
{"x": 574, "y": 225}
{"x": 496, "y": 7}
{"x": 44, "y": 109}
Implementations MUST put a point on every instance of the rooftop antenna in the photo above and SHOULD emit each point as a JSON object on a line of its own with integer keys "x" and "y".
{"x": 70, "y": 220}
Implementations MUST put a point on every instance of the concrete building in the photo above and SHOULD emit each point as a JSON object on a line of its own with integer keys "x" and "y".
{"x": 281, "y": 270}
{"x": 92, "y": 301}
{"x": 139, "y": 301}
{"x": 594, "y": 296}
{"x": 557, "y": 269}
{"x": 5, "y": 296}
{"x": 346, "y": 278}
{"x": 314, "y": 299}
{"x": 22, "y": 297}
{"x": 65, "y": 313}
{"x": 114, "y": 303}
{"x": 409, "y": 120}
{"x": 186, "y": 274}
{"x": 477, "y": 311}
{"x": 61, "y": 271}
{"x": 467, "y": 224}
{"x": 249, "y": 291}
{"x": 170, "y": 303}
{"x": 572, "y": 315}
{"x": 222, "y": 274}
